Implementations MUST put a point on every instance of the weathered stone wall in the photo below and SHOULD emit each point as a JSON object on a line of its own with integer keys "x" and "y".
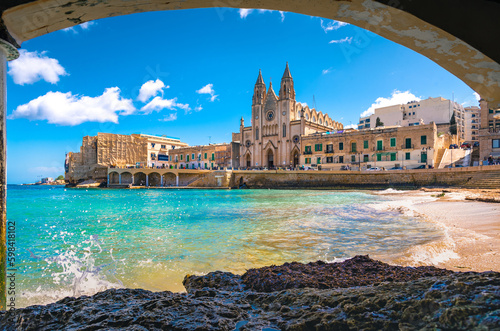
{"x": 354, "y": 179}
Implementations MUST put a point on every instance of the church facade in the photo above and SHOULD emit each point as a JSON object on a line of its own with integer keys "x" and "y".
{"x": 277, "y": 125}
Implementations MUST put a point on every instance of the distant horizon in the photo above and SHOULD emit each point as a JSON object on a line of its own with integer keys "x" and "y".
{"x": 193, "y": 74}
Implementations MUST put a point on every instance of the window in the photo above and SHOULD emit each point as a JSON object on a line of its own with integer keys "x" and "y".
{"x": 408, "y": 143}
{"x": 366, "y": 158}
{"x": 257, "y": 133}
{"x": 308, "y": 160}
{"x": 329, "y": 159}
{"x": 205, "y": 156}
{"x": 213, "y": 157}
{"x": 318, "y": 160}
{"x": 164, "y": 146}
{"x": 353, "y": 147}
{"x": 380, "y": 145}
{"x": 423, "y": 158}
{"x": 318, "y": 147}
{"x": 341, "y": 159}
{"x": 341, "y": 147}
{"x": 423, "y": 140}
{"x": 379, "y": 157}
{"x": 187, "y": 157}
{"x": 152, "y": 145}
{"x": 199, "y": 157}
{"x": 407, "y": 156}
{"x": 181, "y": 156}
{"x": 192, "y": 156}
{"x": 308, "y": 150}
{"x": 393, "y": 156}
{"x": 353, "y": 158}
{"x": 365, "y": 144}
{"x": 329, "y": 148}
{"x": 495, "y": 143}
{"x": 176, "y": 159}
{"x": 284, "y": 130}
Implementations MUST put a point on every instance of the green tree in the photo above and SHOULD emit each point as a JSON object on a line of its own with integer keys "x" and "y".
{"x": 378, "y": 122}
{"x": 453, "y": 125}
{"x": 61, "y": 177}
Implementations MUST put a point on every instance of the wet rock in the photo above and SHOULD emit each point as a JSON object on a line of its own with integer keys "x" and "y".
{"x": 358, "y": 271}
{"x": 219, "y": 301}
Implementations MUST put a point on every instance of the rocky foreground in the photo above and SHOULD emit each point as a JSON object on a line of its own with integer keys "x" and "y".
{"x": 359, "y": 293}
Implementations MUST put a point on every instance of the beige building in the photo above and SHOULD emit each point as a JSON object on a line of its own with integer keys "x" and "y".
{"x": 387, "y": 147}
{"x": 489, "y": 133}
{"x": 213, "y": 156}
{"x": 468, "y": 121}
{"x": 97, "y": 153}
{"x": 278, "y": 122}
{"x": 438, "y": 110}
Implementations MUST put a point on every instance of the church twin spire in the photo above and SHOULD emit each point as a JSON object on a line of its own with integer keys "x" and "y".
{"x": 287, "y": 90}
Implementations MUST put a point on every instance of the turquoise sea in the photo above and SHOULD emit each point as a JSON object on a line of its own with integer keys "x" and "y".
{"x": 72, "y": 242}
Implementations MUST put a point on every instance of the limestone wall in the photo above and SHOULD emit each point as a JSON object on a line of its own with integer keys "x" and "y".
{"x": 364, "y": 179}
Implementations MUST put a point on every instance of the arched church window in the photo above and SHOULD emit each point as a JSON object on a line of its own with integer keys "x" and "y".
{"x": 314, "y": 119}
{"x": 320, "y": 121}
{"x": 307, "y": 116}
{"x": 257, "y": 133}
{"x": 284, "y": 130}
{"x": 298, "y": 113}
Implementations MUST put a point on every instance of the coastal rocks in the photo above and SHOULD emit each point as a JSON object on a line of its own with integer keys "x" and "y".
{"x": 433, "y": 299}
{"x": 358, "y": 271}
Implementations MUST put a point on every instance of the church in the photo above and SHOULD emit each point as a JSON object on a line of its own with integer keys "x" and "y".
{"x": 277, "y": 125}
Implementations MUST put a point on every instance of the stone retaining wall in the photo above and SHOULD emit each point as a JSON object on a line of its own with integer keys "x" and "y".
{"x": 458, "y": 177}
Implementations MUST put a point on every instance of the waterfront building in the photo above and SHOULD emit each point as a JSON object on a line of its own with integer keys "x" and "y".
{"x": 212, "y": 156}
{"x": 489, "y": 133}
{"x": 387, "y": 147}
{"x": 468, "y": 121}
{"x": 278, "y": 122}
{"x": 97, "y": 153}
{"x": 438, "y": 110}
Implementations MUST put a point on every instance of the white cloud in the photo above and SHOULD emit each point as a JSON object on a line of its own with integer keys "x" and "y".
{"x": 150, "y": 89}
{"x": 198, "y": 108}
{"x": 158, "y": 104}
{"x": 244, "y": 12}
{"x": 477, "y": 96}
{"x": 282, "y": 15}
{"x": 332, "y": 25}
{"x": 396, "y": 98}
{"x": 326, "y": 71}
{"x": 68, "y": 109}
{"x": 350, "y": 126}
{"x": 341, "y": 41}
{"x": 83, "y": 26}
{"x": 208, "y": 89}
{"x": 31, "y": 67}
{"x": 169, "y": 118}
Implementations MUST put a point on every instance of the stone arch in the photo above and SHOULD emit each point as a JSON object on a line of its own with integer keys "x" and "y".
{"x": 126, "y": 178}
{"x": 114, "y": 177}
{"x": 461, "y": 49}
{"x": 140, "y": 179}
{"x": 154, "y": 179}
{"x": 169, "y": 179}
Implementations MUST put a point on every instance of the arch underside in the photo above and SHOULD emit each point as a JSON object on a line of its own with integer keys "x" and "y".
{"x": 24, "y": 20}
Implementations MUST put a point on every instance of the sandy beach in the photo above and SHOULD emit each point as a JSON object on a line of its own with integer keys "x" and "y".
{"x": 472, "y": 227}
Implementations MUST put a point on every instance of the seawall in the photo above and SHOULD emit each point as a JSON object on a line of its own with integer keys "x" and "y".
{"x": 472, "y": 177}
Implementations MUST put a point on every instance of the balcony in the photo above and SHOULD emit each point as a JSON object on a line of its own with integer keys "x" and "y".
{"x": 379, "y": 149}
{"x": 308, "y": 152}
{"x": 329, "y": 151}
{"x": 407, "y": 146}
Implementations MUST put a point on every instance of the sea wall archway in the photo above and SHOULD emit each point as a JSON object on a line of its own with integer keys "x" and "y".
{"x": 457, "y": 37}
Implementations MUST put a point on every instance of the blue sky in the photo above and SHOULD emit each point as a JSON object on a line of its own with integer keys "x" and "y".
{"x": 196, "y": 69}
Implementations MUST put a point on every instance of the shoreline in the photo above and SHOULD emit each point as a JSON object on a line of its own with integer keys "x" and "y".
{"x": 471, "y": 227}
